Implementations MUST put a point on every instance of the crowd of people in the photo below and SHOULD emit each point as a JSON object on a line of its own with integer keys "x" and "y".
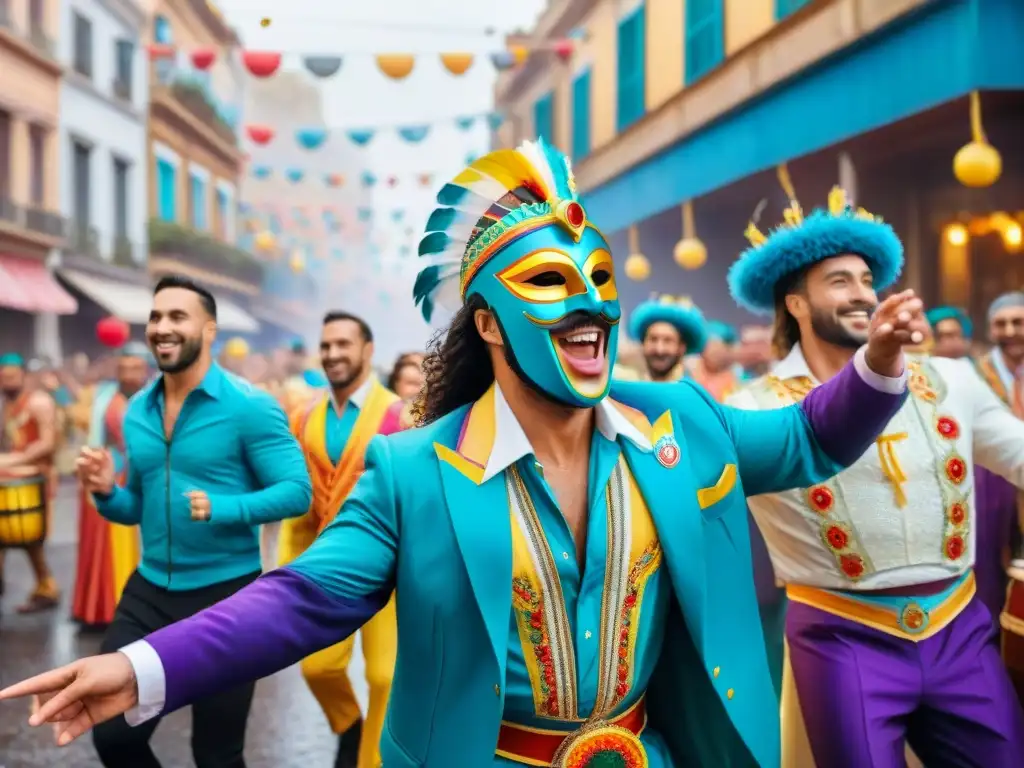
{"x": 556, "y": 558}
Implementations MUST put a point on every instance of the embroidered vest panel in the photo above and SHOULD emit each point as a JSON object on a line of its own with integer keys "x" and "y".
{"x": 906, "y": 502}
{"x": 633, "y": 556}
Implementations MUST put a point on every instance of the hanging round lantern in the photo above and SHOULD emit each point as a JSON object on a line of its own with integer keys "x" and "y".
{"x": 638, "y": 267}
{"x": 690, "y": 253}
{"x": 113, "y": 332}
{"x": 297, "y": 262}
{"x": 265, "y": 241}
{"x": 237, "y": 348}
{"x": 977, "y": 164}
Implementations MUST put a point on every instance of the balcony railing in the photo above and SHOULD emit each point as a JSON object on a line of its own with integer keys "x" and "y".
{"x": 124, "y": 252}
{"x": 122, "y": 89}
{"x": 84, "y": 240}
{"x": 45, "y": 222}
{"x": 204, "y": 251}
{"x": 194, "y": 99}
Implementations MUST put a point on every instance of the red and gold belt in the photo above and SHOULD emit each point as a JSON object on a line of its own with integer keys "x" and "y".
{"x": 589, "y": 745}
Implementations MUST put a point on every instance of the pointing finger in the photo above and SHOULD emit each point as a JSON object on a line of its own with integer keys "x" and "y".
{"x": 65, "y": 699}
{"x": 47, "y": 682}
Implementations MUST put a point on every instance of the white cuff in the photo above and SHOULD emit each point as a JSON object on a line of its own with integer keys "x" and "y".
{"x": 877, "y": 381}
{"x": 150, "y": 680}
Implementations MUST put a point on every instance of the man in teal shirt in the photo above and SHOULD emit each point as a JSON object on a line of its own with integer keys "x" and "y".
{"x": 210, "y": 459}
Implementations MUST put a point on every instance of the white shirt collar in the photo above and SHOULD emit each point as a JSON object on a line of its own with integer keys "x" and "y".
{"x": 793, "y": 364}
{"x": 1002, "y": 369}
{"x": 357, "y": 398}
{"x": 511, "y": 443}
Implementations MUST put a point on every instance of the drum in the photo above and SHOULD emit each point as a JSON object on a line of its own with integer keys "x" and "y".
{"x": 23, "y": 509}
{"x": 1012, "y": 626}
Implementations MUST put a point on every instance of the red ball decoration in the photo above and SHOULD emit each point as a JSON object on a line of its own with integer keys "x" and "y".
{"x": 261, "y": 63}
{"x": 112, "y": 332}
{"x": 564, "y": 49}
{"x": 574, "y": 214}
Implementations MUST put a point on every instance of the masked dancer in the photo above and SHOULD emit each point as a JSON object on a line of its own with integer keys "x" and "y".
{"x": 572, "y": 566}
{"x": 887, "y": 640}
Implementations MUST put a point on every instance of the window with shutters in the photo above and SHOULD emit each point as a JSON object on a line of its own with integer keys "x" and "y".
{"x": 82, "y": 56}
{"x": 785, "y": 7}
{"x": 544, "y": 118}
{"x": 581, "y": 115}
{"x": 705, "y": 37}
{"x": 167, "y": 201}
{"x": 197, "y": 195}
{"x": 631, "y": 68}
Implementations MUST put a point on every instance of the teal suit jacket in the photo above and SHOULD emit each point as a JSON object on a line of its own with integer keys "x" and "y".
{"x": 420, "y": 521}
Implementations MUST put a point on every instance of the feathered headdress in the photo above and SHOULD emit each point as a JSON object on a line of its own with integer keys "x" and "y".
{"x": 801, "y": 241}
{"x": 496, "y": 199}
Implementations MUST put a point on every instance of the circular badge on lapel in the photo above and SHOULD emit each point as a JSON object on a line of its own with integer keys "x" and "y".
{"x": 666, "y": 450}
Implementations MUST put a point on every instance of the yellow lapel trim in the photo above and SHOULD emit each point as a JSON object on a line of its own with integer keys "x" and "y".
{"x": 714, "y": 494}
{"x": 662, "y": 427}
{"x": 476, "y": 440}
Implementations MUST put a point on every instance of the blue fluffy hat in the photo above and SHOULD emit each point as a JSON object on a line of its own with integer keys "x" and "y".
{"x": 802, "y": 242}
{"x": 723, "y": 331}
{"x": 680, "y": 313}
{"x": 938, "y": 314}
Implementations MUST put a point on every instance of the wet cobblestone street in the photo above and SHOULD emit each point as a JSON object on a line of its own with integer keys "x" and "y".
{"x": 286, "y": 727}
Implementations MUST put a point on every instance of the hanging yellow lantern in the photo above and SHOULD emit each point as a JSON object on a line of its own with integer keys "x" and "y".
{"x": 265, "y": 241}
{"x": 396, "y": 65}
{"x": 638, "y": 268}
{"x": 237, "y": 349}
{"x": 978, "y": 163}
{"x": 690, "y": 252}
{"x": 297, "y": 262}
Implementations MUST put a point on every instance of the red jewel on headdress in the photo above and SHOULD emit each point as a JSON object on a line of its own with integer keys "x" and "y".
{"x": 574, "y": 215}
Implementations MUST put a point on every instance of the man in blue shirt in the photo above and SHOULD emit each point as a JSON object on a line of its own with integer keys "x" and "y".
{"x": 210, "y": 459}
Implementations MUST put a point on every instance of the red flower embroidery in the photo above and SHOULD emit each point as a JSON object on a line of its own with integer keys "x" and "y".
{"x": 820, "y": 498}
{"x": 956, "y": 470}
{"x": 955, "y": 547}
{"x": 957, "y": 513}
{"x": 836, "y": 537}
{"x": 947, "y": 427}
{"x": 852, "y": 565}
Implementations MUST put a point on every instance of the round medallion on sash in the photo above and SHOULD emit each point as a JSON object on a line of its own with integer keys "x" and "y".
{"x": 913, "y": 619}
{"x": 666, "y": 450}
{"x": 602, "y": 746}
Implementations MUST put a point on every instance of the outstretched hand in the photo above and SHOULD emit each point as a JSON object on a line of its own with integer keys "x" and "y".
{"x": 897, "y": 321}
{"x": 79, "y": 696}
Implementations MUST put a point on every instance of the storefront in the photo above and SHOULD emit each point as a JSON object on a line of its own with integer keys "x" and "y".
{"x": 30, "y": 300}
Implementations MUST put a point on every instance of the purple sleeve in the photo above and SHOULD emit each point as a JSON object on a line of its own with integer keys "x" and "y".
{"x": 271, "y": 624}
{"x": 847, "y": 413}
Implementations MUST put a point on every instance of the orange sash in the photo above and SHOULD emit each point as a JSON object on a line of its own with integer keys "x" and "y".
{"x": 332, "y": 483}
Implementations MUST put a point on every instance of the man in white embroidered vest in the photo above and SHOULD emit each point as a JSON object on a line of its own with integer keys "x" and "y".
{"x": 887, "y": 642}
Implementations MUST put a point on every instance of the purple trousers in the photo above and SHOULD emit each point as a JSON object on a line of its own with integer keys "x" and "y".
{"x": 996, "y": 520}
{"x": 864, "y": 693}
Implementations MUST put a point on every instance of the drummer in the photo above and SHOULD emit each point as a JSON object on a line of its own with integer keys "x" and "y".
{"x": 27, "y": 446}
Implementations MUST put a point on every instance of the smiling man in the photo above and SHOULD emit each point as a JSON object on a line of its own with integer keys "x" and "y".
{"x": 209, "y": 458}
{"x": 334, "y": 432}
{"x": 572, "y": 571}
{"x": 888, "y": 642}
{"x": 668, "y": 328}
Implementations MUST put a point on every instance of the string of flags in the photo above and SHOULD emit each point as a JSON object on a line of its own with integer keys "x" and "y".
{"x": 366, "y": 179}
{"x": 396, "y": 66}
{"x": 312, "y": 138}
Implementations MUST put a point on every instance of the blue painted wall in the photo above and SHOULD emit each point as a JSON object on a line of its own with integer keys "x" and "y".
{"x": 939, "y": 53}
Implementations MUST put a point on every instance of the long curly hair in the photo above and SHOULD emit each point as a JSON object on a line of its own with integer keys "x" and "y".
{"x": 457, "y": 368}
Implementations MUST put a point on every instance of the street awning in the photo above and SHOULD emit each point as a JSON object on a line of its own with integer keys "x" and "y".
{"x": 231, "y": 317}
{"x": 126, "y": 301}
{"x": 26, "y": 285}
{"x": 132, "y": 303}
